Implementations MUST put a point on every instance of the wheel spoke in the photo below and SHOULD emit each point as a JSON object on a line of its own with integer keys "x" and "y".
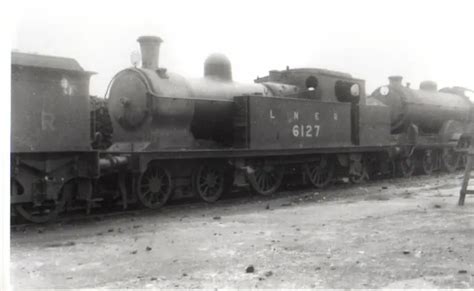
{"x": 265, "y": 179}
{"x": 208, "y": 182}
{"x": 268, "y": 182}
{"x": 406, "y": 166}
{"x": 319, "y": 172}
{"x": 450, "y": 160}
{"x": 154, "y": 187}
{"x": 427, "y": 163}
{"x": 159, "y": 197}
{"x": 147, "y": 193}
{"x": 262, "y": 183}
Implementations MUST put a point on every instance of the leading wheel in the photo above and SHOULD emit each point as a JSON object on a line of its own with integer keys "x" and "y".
{"x": 154, "y": 187}
{"x": 210, "y": 182}
{"x": 265, "y": 179}
{"x": 320, "y": 173}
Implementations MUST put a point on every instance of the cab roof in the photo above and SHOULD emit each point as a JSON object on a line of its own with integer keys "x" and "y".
{"x": 46, "y": 62}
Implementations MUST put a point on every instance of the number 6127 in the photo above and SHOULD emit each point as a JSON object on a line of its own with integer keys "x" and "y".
{"x": 301, "y": 130}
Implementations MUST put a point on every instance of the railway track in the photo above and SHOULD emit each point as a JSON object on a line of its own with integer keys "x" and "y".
{"x": 239, "y": 197}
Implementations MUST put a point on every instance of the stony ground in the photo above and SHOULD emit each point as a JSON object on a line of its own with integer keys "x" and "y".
{"x": 392, "y": 233}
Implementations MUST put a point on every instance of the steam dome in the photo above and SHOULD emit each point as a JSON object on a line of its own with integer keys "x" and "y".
{"x": 218, "y": 66}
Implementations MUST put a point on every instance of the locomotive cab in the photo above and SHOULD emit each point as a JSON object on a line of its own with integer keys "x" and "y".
{"x": 322, "y": 112}
{"x": 317, "y": 84}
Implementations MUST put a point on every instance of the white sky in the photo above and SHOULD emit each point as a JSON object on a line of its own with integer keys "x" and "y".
{"x": 369, "y": 39}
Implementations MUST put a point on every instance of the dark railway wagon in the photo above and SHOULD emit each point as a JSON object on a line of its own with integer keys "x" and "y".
{"x": 50, "y": 133}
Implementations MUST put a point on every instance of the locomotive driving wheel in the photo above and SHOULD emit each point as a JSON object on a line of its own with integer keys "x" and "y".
{"x": 154, "y": 187}
{"x": 210, "y": 181}
{"x": 320, "y": 173}
{"x": 406, "y": 166}
{"x": 265, "y": 179}
{"x": 449, "y": 160}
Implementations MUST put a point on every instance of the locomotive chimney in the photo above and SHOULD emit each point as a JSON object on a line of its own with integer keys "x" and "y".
{"x": 150, "y": 50}
{"x": 395, "y": 80}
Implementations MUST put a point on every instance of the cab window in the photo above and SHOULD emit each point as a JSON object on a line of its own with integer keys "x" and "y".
{"x": 347, "y": 91}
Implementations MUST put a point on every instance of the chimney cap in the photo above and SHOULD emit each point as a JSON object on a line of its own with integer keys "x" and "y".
{"x": 150, "y": 51}
{"x": 395, "y": 80}
{"x": 149, "y": 38}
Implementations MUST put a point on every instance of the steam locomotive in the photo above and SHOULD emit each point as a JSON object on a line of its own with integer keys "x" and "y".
{"x": 172, "y": 136}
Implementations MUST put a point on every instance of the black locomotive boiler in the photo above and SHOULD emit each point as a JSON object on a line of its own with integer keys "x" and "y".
{"x": 165, "y": 110}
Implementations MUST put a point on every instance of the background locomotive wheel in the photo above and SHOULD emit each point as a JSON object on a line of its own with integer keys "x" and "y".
{"x": 360, "y": 177}
{"x": 47, "y": 211}
{"x": 266, "y": 179}
{"x": 462, "y": 161}
{"x": 210, "y": 182}
{"x": 427, "y": 163}
{"x": 449, "y": 160}
{"x": 406, "y": 166}
{"x": 359, "y": 172}
{"x": 154, "y": 187}
{"x": 320, "y": 173}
